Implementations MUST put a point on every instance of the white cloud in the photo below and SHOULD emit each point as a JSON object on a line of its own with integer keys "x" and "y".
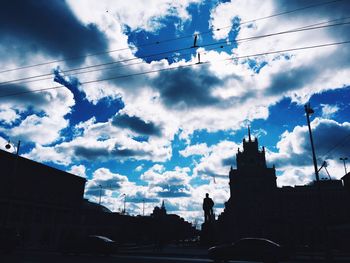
{"x": 157, "y": 176}
{"x": 196, "y": 149}
{"x": 217, "y": 162}
{"x": 293, "y": 159}
{"x": 145, "y": 15}
{"x": 79, "y": 170}
{"x": 139, "y": 168}
{"x": 42, "y": 130}
{"x": 8, "y": 116}
{"x": 329, "y": 110}
{"x": 246, "y": 10}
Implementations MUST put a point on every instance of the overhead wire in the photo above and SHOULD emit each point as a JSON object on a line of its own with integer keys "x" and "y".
{"x": 220, "y": 45}
{"x": 171, "y": 39}
{"x": 180, "y": 67}
{"x": 338, "y": 144}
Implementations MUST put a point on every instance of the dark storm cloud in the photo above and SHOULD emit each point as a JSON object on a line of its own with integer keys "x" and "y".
{"x": 136, "y": 124}
{"x": 90, "y": 153}
{"x": 33, "y": 26}
{"x": 95, "y": 153}
{"x": 126, "y": 152}
{"x": 331, "y": 139}
{"x": 293, "y": 79}
{"x": 333, "y": 10}
{"x": 337, "y": 7}
{"x": 24, "y": 97}
{"x": 186, "y": 87}
{"x": 329, "y": 134}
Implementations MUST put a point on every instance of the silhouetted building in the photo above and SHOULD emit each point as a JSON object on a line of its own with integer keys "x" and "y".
{"x": 37, "y": 201}
{"x": 46, "y": 206}
{"x": 291, "y": 215}
{"x": 159, "y": 211}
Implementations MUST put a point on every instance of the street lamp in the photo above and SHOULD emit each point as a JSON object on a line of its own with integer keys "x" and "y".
{"x": 124, "y": 211}
{"x": 308, "y": 112}
{"x": 10, "y": 145}
{"x": 344, "y": 159}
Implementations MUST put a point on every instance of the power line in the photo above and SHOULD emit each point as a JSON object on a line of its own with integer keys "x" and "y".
{"x": 284, "y": 13}
{"x": 339, "y": 143}
{"x": 179, "y": 67}
{"x": 23, "y": 80}
{"x": 221, "y": 45}
{"x": 171, "y": 39}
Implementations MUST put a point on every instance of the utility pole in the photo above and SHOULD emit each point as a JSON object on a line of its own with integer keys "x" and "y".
{"x": 319, "y": 209}
{"x": 344, "y": 159}
{"x": 308, "y": 112}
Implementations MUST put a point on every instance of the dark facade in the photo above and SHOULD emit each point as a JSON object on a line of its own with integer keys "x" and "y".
{"x": 45, "y": 206}
{"x": 37, "y": 202}
{"x": 302, "y": 215}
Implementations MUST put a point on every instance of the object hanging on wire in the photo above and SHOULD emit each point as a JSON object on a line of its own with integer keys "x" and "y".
{"x": 195, "y": 41}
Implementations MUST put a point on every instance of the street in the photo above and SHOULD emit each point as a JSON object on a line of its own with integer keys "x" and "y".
{"x": 56, "y": 257}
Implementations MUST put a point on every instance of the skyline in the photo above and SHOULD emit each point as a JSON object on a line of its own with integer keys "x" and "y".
{"x": 173, "y": 134}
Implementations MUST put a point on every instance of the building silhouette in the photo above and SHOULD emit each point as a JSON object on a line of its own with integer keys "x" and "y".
{"x": 37, "y": 201}
{"x": 44, "y": 207}
{"x": 159, "y": 211}
{"x": 294, "y": 216}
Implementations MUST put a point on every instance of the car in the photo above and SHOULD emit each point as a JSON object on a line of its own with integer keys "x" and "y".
{"x": 252, "y": 249}
{"x": 92, "y": 244}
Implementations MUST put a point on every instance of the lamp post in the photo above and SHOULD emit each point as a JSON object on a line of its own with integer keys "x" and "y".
{"x": 10, "y": 145}
{"x": 124, "y": 211}
{"x": 344, "y": 159}
{"x": 308, "y": 112}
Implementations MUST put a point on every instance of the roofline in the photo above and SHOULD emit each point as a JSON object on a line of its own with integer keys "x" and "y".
{"x": 11, "y": 155}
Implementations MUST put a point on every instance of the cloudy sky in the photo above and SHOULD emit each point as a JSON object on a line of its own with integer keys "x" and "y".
{"x": 113, "y": 91}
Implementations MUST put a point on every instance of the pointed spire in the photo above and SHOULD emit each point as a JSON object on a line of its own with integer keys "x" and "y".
{"x": 250, "y": 139}
{"x": 163, "y": 205}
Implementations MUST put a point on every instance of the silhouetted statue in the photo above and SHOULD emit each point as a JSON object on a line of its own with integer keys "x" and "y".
{"x": 208, "y": 204}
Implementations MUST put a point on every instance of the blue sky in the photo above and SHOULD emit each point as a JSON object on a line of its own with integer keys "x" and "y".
{"x": 173, "y": 134}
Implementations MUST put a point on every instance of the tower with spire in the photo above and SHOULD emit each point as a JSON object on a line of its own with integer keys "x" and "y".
{"x": 251, "y": 186}
{"x": 252, "y": 173}
{"x": 159, "y": 211}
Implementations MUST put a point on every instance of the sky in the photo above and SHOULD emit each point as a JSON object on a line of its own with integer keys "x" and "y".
{"x": 150, "y": 100}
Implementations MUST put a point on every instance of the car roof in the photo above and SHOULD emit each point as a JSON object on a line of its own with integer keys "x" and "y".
{"x": 102, "y": 237}
{"x": 257, "y": 240}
